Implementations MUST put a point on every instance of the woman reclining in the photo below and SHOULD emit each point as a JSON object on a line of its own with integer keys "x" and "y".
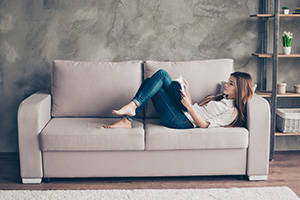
{"x": 176, "y": 109}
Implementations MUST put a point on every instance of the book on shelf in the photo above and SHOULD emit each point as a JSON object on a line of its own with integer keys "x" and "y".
{"x": 297, "y": 10}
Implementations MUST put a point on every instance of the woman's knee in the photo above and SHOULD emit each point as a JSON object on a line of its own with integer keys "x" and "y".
{"x": 162, "y": 72}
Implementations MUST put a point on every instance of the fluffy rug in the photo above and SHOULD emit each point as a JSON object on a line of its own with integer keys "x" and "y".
{"x": 263, "y": 193}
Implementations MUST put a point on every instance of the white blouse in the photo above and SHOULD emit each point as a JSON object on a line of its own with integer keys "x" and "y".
{"x": 217, "y": 113}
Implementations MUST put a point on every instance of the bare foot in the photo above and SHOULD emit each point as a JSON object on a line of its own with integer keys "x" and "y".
{"x": 128, "y": 109}
{"x": 122, "y": 123}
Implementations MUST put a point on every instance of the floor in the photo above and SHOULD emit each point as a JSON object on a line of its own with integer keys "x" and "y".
{"x": 284, "y": 171}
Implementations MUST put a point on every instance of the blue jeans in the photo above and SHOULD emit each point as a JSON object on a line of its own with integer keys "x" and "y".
{"x": 165, "y": 98}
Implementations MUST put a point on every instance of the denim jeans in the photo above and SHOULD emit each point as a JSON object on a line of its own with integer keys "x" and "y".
{"x": 165, "y": 98}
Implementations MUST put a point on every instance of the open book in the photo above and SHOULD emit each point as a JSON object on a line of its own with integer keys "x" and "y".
{"x": 177, "y": 93}
{"x": 180, "y": 81}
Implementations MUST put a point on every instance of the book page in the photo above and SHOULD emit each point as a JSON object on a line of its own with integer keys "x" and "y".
{"x": 180, "y": 81}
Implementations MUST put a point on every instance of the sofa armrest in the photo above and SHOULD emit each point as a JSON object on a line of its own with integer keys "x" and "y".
{"x": 258, "y": 124}
{"x": 33, "y": 114}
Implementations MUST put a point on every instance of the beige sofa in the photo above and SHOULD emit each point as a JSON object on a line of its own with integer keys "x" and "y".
{"x": 61, "y": 134}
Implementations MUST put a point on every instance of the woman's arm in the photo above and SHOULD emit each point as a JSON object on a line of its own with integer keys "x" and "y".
{"x": 196, "y": 117}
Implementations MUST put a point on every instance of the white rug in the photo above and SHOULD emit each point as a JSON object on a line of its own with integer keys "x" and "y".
{"x": 262, "y": 193}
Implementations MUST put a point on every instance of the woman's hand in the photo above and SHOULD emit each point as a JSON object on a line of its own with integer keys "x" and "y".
{"x": 196, "y": 117}
{"x": 185, "y": 100}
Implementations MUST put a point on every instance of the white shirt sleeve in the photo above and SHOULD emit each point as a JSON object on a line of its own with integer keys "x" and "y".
{"x": 223, "y": 119}
{"x": 217, "y": 113}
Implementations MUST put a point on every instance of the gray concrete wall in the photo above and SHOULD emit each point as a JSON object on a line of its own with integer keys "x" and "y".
{"x": 35, "y": 32}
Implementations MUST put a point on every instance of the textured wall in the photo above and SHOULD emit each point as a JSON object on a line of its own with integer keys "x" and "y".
{"x": 34, "y": 32}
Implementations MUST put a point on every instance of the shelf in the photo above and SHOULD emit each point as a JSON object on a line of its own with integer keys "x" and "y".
{"x": 286, "y": 134}
{"x": 276, "y": 17}
{"x": 272, "y": 15}
{"x": 269, "y": 94}
{"x": 281, "y": 55}
{"x": 262, "y": 15}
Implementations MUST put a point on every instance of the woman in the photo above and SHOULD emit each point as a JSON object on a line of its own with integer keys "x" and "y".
{"x": 227, "y": 109}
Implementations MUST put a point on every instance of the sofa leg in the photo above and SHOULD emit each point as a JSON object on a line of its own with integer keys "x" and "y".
{"x": 31, "y": 180}
{"x": 258, "y": 178}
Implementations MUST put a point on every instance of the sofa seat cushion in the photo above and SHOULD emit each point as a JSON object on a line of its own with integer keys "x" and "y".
{"x": 159, "y": 137}
{"x": 87, "y": 134}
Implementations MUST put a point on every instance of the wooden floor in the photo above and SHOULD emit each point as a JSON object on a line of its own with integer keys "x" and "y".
{"x": 284, "y": 171}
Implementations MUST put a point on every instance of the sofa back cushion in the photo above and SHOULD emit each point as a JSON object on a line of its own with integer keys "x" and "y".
{"x": 204, "y": 77}
{"x": 93, "y": 88}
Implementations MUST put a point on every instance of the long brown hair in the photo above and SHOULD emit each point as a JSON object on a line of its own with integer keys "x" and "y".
{"x": 243, "y": 93}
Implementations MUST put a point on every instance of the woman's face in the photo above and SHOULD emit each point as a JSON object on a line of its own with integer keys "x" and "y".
{"x": 230, "y": 88}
